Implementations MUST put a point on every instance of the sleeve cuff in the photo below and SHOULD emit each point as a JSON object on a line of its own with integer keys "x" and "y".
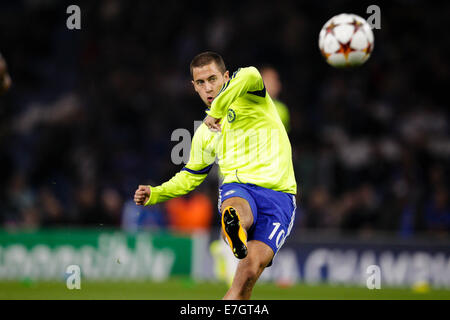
{"x": 152, "y": 199}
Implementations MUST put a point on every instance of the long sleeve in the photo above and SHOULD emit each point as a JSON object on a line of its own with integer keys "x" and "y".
{"x": 244, "y": 80}
{"x": 180, "y": 184}
{"x": 192, "y": 175}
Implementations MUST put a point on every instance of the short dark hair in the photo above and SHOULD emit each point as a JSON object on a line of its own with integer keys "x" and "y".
{"x": 206, "y": 58}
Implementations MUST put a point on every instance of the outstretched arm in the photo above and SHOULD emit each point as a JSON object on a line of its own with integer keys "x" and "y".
{"x": 192, "y": 175}
{"x": 182, "y": 183}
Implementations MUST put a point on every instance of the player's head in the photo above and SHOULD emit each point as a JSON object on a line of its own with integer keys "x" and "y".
{"x": 271, "y": 80}
{"x": 209, "y": 74}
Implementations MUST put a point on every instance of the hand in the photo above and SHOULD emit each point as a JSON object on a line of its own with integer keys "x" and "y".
{"x": 212, "y": 123}
{"x": 142, "y": 195}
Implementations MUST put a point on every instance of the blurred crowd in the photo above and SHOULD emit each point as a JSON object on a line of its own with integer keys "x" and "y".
{"x": 90, "y": 112}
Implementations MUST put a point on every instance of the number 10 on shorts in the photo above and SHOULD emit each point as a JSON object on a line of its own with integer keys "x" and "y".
{"x": 280, "y": 233}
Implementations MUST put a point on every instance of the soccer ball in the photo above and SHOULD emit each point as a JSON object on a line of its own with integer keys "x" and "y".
{"x": 346, "y": 40}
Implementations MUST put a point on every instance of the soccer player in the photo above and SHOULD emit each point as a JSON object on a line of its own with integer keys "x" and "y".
{"x": 224, "y": 261}
{"x": 5, "y": 79}
{"x": 243, "y": 131}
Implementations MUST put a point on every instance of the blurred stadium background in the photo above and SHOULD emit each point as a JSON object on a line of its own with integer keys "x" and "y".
{"x": 90, "y": 116}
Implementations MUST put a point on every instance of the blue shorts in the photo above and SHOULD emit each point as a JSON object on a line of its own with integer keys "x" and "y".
{"x": 273, "y": 212}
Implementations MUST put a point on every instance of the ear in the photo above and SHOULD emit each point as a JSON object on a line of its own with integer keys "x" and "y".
{"x": 226, "y": 75}
{"x": 193, "y": 84}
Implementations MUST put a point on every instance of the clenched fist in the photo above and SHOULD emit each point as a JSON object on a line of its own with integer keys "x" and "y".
{"x": 142, "y": 195}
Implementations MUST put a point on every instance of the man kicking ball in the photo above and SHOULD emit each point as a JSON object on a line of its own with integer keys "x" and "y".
{"x": 244, "y": 132}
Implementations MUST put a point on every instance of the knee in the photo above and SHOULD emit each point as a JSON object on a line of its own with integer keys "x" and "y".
{"x": 236, "y": 206}
{"x": 252, "y": 271}
{"x": 250, "y": 275}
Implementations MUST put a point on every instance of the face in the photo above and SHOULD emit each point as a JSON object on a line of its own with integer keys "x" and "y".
{"x": 207, "y": 81}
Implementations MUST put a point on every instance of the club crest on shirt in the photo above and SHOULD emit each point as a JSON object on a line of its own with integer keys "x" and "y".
{"x": 231, "y": 116}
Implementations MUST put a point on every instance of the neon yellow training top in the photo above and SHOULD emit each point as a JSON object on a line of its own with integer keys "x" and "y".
{"x": 253, "y": 146}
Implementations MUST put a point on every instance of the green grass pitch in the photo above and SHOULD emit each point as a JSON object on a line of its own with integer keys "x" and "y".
{"x": 185, "y": 289}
